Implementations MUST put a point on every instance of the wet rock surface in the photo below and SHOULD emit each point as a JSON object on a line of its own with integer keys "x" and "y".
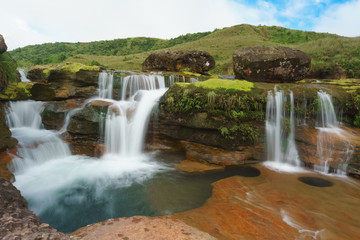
{"x": 195, "y": 61}
{"x": 17, "y": 222}
{"x": 270, "y": 64}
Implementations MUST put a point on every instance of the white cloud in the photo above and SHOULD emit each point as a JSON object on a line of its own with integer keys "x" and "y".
{"x": 29, "y": 22}
{"x": 342, "y": 19}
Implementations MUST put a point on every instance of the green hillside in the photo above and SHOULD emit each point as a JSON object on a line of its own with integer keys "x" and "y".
{"x": 326, "y": 50}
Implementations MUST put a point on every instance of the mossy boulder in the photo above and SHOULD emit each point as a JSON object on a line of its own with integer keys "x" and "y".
{"x": 270, "y": 64}
{"x": 17, "y": 91}
{"x": 195, "y": 61}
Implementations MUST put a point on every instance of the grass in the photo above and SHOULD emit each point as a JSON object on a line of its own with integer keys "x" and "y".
{"x": 326, "y": 50}
{"x": 240, "y": 85}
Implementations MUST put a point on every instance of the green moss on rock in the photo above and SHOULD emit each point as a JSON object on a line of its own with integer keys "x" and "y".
{"x": 215, "y": 83}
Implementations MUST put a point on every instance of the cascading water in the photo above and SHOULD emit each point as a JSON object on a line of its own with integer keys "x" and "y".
{"x": 280, "y": 145}
{"x": 329, "y": 135}
{"x": 106, "y": 80}
{"x": 127, "y": 120}
{"x": 23, "y": 77}
{"x": 64, "y": 189}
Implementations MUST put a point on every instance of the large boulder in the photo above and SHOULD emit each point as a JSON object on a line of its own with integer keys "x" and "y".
{"x": 17, "y": 222}
{"x": 195, "y": 61}
{"x": 3, "y": 46}
{"x": 270, "y": 64}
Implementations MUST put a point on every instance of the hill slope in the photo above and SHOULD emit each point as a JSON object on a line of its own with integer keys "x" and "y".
{"x": 326, "y": 50}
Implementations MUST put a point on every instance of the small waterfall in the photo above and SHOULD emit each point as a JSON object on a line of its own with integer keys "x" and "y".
{"x": 127, "y": 120}
{"x": 24, "y": 114}
{"x": 23, "y": 77}
{"x": 36, "y": 145}
{"x": 327, "y": 113}
{"x": 280, "y": 130}
{"x": 329, "y": 136}
{"x": 106, "y": 84}
{"x": 132, "y": 84}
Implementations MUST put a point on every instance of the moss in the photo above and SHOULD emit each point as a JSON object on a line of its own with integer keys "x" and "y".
{"x": 76, "y": 67}
{"x": 240, "y": 85}
{"x": 17, "y": 91}
{"x": 193, "y": 74}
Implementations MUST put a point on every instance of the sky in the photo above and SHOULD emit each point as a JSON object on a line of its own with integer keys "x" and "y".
{"x": 24, "y": 22}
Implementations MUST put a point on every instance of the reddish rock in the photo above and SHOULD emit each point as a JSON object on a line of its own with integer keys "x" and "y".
{"x": 139, "y": 227}
{"x": 193, "y": 167}
{"x": 17, "y": 222}
{"x": 212, "y": 155}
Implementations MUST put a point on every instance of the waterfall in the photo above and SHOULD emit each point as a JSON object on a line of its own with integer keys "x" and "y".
{"x": 36, "y": 145}
{"x": 24, "y": 114}
{"x": 127, "y": 120}
{"x": 132, "y": 84}
{"x": 330, "y": 135}
{"x": 327, "y": 111}
{"x": 23, "y": 77}
{"x": 280, "y": 130}
{"x": 106, "y": 84}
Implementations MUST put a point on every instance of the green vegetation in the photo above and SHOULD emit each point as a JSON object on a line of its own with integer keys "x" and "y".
{"x": 17, "y": 90}
{"x": 245, "y": 132}
{"x": 8, "y": 67}
{"x": 52, "y": 53}
{"x": 240, "y": 85}
{"x": 76, "y": 67}
{"x": 326, "y": 50}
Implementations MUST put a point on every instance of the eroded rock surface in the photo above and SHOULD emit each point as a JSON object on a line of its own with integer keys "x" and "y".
{"x": 270, "y": 64}
{"x": 140, "y": 227}
{"x": 17, "y": 222}
{"x": 195, "y": 61}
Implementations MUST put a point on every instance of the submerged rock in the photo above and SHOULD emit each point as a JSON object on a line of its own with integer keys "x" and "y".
{"x": 196, "y": 61}
{"x": 270, "y": 64}
{"x": 17, "y": 222}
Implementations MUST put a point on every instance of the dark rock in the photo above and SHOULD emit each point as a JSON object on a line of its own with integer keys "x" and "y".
{"x": 86, "y": 121}
{"x": 270, "y": 64}
{"x": 54, "y": 113}
{"x": 195, "y": 61}
{"x": 36, "y": 74}
{"x": 42, "y": 92}
{"x": 3, "y": 46}
{"x": 17, "y": 222}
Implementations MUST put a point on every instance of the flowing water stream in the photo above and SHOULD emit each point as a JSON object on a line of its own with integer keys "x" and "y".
{"x": 70, "y": 191}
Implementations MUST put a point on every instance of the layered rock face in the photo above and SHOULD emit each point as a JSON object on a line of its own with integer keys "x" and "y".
{"x": 17, "y": 222}
{"x": 195, "y": 61}
{"x": 3, "y": 46}
{"x": 270, "y": 64}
